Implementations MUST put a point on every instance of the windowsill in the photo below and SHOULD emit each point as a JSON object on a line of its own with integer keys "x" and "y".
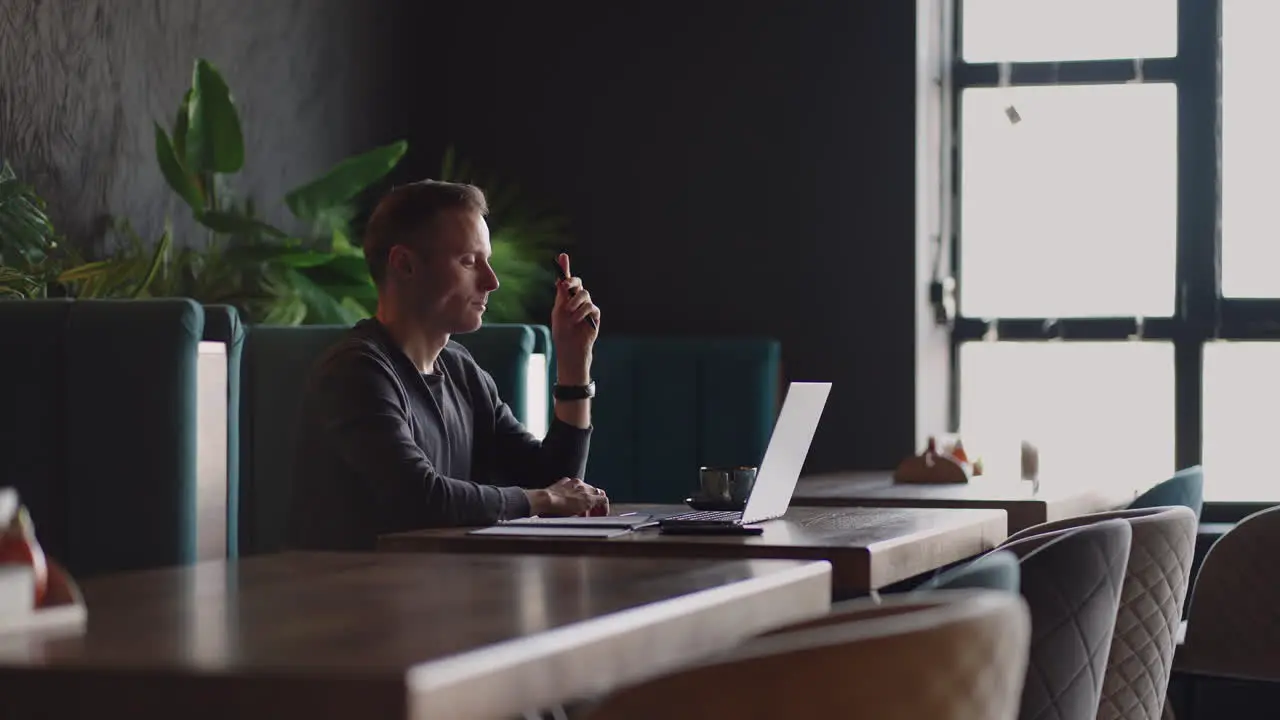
{"x": 1231, "y": 512}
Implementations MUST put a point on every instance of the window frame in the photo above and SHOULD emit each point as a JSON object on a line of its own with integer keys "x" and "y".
{"x": 1201, "y": 314}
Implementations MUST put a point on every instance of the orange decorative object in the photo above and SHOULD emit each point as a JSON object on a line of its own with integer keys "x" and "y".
{"x": 934, "y": 468}
{"x": 18, "y": 544}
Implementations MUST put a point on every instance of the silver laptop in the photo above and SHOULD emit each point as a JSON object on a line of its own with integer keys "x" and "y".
{"x": 780, "y": 468}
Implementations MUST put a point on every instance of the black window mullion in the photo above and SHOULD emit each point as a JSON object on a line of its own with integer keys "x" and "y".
{"x": 1199, "y": 32}
{"x": 1074, "y": 72}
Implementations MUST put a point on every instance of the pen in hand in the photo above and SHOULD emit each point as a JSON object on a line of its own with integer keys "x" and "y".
{"x": 574, "y": 291}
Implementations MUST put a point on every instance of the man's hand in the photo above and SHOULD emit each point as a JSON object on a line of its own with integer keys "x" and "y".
{"x": 566, "y": 498}
{"x": 573, "y": 335}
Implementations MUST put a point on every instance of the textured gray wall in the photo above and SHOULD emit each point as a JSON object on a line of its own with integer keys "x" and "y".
{"x": 81, "y": 82}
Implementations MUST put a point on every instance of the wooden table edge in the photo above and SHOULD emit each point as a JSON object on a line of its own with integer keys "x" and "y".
{"x": 994, "y": 530}
{"x": 516, "y": 675}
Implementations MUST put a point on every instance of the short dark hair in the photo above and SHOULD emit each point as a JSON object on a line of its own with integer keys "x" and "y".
{"x": 407, "y": 210}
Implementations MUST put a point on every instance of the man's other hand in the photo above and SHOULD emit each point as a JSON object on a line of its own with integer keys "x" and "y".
{"x": 568, "y": 497}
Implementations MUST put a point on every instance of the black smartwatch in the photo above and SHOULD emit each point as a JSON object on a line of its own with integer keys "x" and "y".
{"x": 575, "y": 392}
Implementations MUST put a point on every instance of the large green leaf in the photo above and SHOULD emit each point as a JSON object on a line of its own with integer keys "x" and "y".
{"x": 26, "y": 233}
{"x": 232, "y": 223}
{"x": 153, "y": 269}
{"x": 214, "y": 142}
{"x": 344, "y": 181}
{"x": 180, "y": 124}
{"x": 175, "y": 173}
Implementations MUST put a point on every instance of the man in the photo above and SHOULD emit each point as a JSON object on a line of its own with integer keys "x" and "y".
{"x": 401, "y": 429}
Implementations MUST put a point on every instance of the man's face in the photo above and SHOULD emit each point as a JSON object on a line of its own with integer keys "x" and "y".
{"x": 451, "y": 278}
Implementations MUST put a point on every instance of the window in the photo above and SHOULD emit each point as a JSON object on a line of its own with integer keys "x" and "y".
{"x": 1250, "y": 149}
{"x": 1088, "y": 407}
{"x": 1040, "y": 30}
{"x": 1028, "y": 248}
{"x": 1118, "y": 272}
{"x": 1241, "y": 394}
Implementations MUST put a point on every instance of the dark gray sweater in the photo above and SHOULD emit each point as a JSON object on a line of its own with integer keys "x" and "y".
{"x": 383, "y": 448}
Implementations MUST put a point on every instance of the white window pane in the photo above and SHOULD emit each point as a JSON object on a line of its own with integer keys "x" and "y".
{"x": 1047, "y": 30}
{"x": 1071, "y": 211}
{"x": 1098, "y": 411}
{"x": 1250, "y": 148}
{"x": 1241, "y": 394}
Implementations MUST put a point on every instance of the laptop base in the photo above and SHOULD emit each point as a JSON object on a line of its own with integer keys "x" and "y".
{"x": 712, "y": 528}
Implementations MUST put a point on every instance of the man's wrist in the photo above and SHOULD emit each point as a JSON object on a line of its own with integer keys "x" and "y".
{"x": 539, "y": 501}
{"x": 573, "y": 373}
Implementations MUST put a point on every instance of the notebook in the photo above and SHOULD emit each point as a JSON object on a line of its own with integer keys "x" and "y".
{"x": 551, "y": 531}
{"x": 630, "y": 521}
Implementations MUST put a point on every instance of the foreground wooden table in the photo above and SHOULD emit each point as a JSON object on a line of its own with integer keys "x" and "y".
{"x": 867, "y": 548}
{"x": 1025, "y": 505}
{"x": 391, "y": 636}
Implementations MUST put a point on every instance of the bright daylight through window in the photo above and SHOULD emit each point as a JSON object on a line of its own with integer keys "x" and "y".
{"x": 1091, "y": 223}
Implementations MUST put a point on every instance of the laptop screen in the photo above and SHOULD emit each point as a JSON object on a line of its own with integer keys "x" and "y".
{"x": 787, "y": 450}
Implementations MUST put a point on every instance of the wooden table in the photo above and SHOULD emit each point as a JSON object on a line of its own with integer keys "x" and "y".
{"x": 382, "y": 635}
{"x": 867, "y": 548}
{"x": 1055, "y": 500}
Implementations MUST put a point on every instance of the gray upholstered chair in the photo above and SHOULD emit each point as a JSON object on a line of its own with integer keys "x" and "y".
{"x": 1151, "y": 601}
{"x": 1233, "y": 627}
{"x": 1071, "y": 578}
{"x": 950, "y": 655}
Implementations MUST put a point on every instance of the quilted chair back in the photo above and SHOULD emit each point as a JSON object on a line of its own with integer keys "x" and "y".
{"x": 1155, "y": 589}
{"x": 1233, "y": 627}
{"x": 954, "y": 655}
{"x": 1072, "y": 580}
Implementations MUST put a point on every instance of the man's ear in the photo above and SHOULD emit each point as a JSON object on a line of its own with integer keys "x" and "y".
{"x": 400, "y": 261}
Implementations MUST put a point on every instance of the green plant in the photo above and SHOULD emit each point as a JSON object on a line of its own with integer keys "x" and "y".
{"x": 317, "y": 276}
{"x": 35, "y": 263}
{"x": 525, "y": 243}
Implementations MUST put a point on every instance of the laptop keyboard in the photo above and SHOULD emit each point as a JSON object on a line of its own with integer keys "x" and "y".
{"x": 725, "y": 516}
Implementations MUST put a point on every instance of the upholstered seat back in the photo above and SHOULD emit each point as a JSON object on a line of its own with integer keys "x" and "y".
{"x": 667, "y": 406}
{"x": 1233, "y": 626}
{"x": 1072, "y": 580}
{"x": 948, "y": 655}
{"x": 98, "y": 427}
{"x": 277, "y": 363}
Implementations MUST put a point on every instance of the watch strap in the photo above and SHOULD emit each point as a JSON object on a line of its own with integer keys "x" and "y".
{"x": 575, "y": 392}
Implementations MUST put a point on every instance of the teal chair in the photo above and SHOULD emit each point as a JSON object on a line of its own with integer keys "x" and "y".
{"x": 98, "y": 428}
{"x": 996, "y": 570}
{"x": 667, "y": 406}
{"x": 1186, "y": 487}
{"x": 276, "y": 364}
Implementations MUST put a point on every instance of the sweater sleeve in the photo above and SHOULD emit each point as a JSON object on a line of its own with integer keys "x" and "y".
{"x": 528, "y": 461}
{"x": 364, "y": 416}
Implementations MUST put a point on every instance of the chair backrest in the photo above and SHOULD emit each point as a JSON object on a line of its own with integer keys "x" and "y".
{"x": 954, "y": 655}
{"x": 98, "y": 428}
{"x": 276, "y": 364}
{"x": 1233, "y": 626}
{"x": 667, "y": 406}
{"x": 996, "y": 570}
{"x": 1151, "y": 602}
{"x": 1071, "y": 578}
{"x": 1186, "y": 487}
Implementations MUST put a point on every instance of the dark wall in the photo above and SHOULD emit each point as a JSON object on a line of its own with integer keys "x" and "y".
{"x": 81, "y": 82}
{"x": 728, "y": 168}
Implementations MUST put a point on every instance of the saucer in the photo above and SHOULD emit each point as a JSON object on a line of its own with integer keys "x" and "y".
{"x": 706, "y": 505}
